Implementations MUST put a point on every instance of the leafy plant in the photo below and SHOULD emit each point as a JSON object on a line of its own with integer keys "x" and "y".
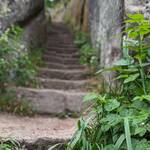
{"x": 9, "y": 144}
{"x": 86, "y": 51}
{"x": 121, "y": 119}
{"x": 15, "y": 64}
{"x": 11, "y": 103}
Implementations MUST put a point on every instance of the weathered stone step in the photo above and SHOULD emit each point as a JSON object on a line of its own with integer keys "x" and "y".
{"x": 60, "y": 41}
{"x": 61, "y": 60}
{"x": 53, "y": 65}
{"x": 55, "y": 48}
{"x": 61, "y": 45}
{"x": 64, "y": 52}
{"x": 37, "y": 132}
{"x": 64, "y": 62}
{"x": 49, "y": 101}
{"x": 57, "y": 54}
{"x": 63, "y": 74}
{"x": 61, "y": 84}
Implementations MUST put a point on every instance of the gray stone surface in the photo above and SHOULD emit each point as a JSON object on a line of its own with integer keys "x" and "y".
{"x": 37, "y": 131}
{"x": 133, "y": 6}
{"x": 18, "y": 11}
{"x": 48, "y": 101}
{"x": 35, "y": 32}
{"x": 147, "y": 9}
{"x": 106, "y": 18}
{"x": 29, "y": 14}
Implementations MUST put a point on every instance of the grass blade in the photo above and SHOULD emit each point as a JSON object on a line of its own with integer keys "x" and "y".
{"x": 127, "y": 134}
{"x": 54, "y": 147}
{"x": 119, "y": 142}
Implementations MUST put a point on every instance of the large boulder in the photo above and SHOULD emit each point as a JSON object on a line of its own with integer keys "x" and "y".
{"x": 27, "y": 13}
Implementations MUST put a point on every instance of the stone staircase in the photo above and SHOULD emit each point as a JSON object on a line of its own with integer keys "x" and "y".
{"x": 62, "y": 83}
{"x": 62, "y": 79}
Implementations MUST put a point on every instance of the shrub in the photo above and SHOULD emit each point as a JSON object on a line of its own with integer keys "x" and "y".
{"x": 87, "y": 55}
{"x": 12, "y": 103}
{"x": 9, "y": 144}
{"x": 120, "y": 120}
{"x": 15, "y": 64}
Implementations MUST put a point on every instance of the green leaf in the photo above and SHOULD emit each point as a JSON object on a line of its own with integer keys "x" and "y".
{"x": 54, "y": 147}
{"x": 109, "y": 121}
{"x": 119, "y": 142}
{"x": 124, "y": 62}
{"x": 142, "y": 97}
{"x": 90, "y": 96}
{"x": 127, "y": 134}
{"x": 111, "y": 104}
{"x": 146, "y": 97}
{"x": 141, "y": 131}
{"x": 137, "y": 16}
{"x": 131, "y": 78}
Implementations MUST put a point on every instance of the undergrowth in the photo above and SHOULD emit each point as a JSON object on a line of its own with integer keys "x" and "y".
{"x": 12, "y": 103}
{"x": 87, "y": 56}
{"x": 18, "y": 67}
{"x": 120, "y": 118}
{"x": 9, "y": 144}
{"x": 15, "y": 65}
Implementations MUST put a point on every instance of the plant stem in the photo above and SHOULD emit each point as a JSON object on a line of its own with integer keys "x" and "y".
{"x": 141, "y": 66}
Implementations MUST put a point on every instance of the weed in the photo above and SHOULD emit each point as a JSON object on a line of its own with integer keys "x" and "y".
{"x": 120, "y": 119}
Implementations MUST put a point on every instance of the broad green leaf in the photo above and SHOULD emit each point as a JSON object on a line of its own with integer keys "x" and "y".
{"x": 90, "y": 96}
{"x": 111, "y": 104}
{"x": 124, "y": 62}
{"x": 109, "y": 121}
{"x": 146, "y": 97}
{"x": 141, "y": 131}
{"x": 131, "y": 78}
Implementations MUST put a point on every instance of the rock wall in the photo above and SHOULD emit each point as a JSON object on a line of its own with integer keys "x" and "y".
{"x": 106, "y": 22}
{"x": 77, "y": 14}
{"x": 27, "y": 13}
{"x": 135, "y": 6}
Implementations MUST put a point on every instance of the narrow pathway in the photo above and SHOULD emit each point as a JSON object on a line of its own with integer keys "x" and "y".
{"x": 62, "y": 83}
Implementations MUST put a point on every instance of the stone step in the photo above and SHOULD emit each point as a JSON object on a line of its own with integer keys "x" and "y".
{"x": 39, "y": 132}
{"x": 64, "y": 62}
{"x": 60, "y": 41}
{"x": 60, "y": 35}
{"x": 63, "y": 74}
{"x": 61, "y": 60}
{"x": 57, "y": 65}
{"x": 55, "y": 102}
{"x": 63, "y": 52}
{"x": 55, "y": 48}
{"x": 60, "y": 45}
{"x": 57, "y": 54}
{"x": 61, "y": 84}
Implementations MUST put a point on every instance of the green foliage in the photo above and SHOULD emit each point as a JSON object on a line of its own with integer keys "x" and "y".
{"x": 86, "y": 51}
{"x": 49, "y": 3}
{"x": 17, "y": 68}
{"x": 120, "y": 120}
{"x": 9, "y": 144}
{"x": 52, "y": 4}
{"x": 15, "y": 64}
{"x": 11, "y": 103}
